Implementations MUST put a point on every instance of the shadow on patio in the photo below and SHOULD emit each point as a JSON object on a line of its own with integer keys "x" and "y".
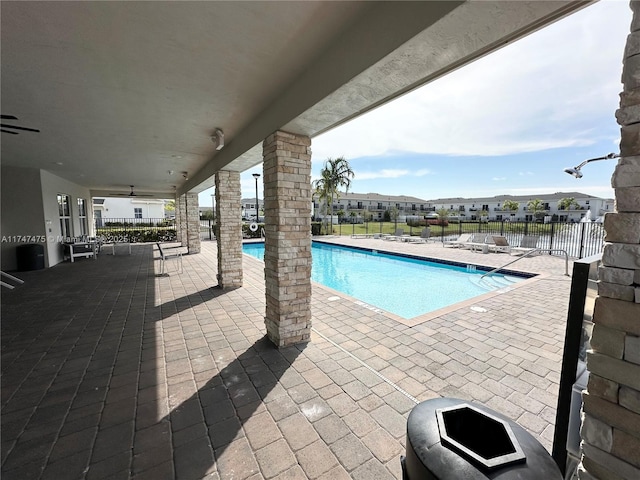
{"x": 92, "y": 388}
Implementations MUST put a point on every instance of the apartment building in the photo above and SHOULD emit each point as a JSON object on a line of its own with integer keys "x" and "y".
{"x": 356, "y": 204}
{"x": 471, "y": 208}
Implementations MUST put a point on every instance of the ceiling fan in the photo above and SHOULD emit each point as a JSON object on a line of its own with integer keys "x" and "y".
{"x": 5, "y": 126}
{"x": 131, "y": 194}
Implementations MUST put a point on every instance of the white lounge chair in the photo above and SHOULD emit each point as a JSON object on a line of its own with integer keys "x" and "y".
{"x": 527, "y": 244}
{"x": 424, "y": 236}
{"x": 462, "y": 240}
{"x": 362, "y": 235}
{"x": 479, "y": 242}
{"x": 500, "y": 244}
{"x": 398, "y": 235}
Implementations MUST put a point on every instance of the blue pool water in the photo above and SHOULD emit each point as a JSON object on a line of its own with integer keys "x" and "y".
{"x": 405, "y": 286}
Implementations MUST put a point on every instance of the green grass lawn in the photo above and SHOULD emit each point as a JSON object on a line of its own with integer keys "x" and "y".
{"x": 453, "y": 229}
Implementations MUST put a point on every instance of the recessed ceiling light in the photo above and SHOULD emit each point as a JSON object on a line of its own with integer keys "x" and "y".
{"x": 59, "y": 163}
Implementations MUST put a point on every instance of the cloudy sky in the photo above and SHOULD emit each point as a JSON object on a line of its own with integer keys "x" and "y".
{"x": 506, "y": 124}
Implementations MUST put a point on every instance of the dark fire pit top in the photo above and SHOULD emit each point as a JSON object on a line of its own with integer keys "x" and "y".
{"x": 479, "y": 436}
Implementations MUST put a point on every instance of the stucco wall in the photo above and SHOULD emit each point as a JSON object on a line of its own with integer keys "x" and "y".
{"x": 124, "y": 208}
{"x": 51, "y": 186}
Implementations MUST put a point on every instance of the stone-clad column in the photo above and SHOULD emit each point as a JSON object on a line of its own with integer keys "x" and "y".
{"x": 193, "y": 223}
{"x": 229, "y": 234}
{"x": 611, "y": 424}
{"x": 287, "y": 257}
{"x": 188, "y": 222}
{"x": 181, "y": 219}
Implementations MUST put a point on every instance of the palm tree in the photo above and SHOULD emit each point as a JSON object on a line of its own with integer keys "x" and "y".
{"x": 443, "y": 215}
{"x": 510, "y": 206}
{"x": 323, "y": 190}
{"x": 536, "y": 206}
{"x": 335, "y": 173}
{"x": 567, "y": 203}
{"x": 394, "y": 213}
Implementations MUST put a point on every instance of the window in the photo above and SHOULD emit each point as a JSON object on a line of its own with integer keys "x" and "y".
{"x": 137, "y": 213}
{"x": 64, "y": 211}
{"x": 485, "y": 207}
{"x": 82, "y": 216}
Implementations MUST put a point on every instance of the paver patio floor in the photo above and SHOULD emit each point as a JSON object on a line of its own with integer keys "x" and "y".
{"x": 111, "y": 371}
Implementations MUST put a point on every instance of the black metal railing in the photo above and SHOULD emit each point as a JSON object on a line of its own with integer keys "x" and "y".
{"x": 580, "y": 239}
{"x": 207, "y": 229}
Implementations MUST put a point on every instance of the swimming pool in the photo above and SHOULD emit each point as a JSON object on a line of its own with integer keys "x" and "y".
{"x": 404, "y": 285}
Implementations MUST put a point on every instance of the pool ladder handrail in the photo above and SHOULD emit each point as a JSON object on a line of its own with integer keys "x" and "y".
{"x": 566, "y": 260}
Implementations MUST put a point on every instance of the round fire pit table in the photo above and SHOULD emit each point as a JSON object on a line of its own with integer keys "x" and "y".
{"x": 448, "y": 438}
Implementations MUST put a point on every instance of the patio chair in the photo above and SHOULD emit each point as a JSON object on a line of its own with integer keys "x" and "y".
{"x": 459, "y": 242}
{"x": 170, "y": 253}
{"x": 527, "y": 244}
{"x": 424, "y": 236}
{"x": 500, "y": 244}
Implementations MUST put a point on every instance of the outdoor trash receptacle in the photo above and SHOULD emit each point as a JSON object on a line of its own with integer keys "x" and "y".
{"x": 448, "y": 438}
{"x": 30, "y": 256}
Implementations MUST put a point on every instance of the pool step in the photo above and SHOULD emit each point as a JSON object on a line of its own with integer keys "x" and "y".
{"x": 494, "y": 282}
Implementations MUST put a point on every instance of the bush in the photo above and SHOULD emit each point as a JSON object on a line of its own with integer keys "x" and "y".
{"x": 139, "y": 236}
{"x": 437, "y": 221}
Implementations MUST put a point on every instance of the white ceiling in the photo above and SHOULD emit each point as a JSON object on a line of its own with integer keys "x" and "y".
{"x": 124, "y": 92}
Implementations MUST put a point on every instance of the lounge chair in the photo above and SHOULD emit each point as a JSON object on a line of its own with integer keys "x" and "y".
{"x": 479, "y": 242}
{"x": 500, "y": 244}
{"x": 398, "y": 235}
{"x": 527, "y": 244}
{"x": 424, "y": 236}
{"x": 362, "y": 235}
{"x": 462, "y": 240}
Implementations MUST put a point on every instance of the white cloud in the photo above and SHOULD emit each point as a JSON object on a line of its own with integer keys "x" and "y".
{"x": 525, "y": 174}
{"x": 384, "y": 173}
{"x": 391, "y": 173}
{"x": 499, "y": 179}
{"x": 548, "y": 90}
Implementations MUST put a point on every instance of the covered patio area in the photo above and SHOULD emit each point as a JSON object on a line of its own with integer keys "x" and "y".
{"x": 110, "y": 370}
